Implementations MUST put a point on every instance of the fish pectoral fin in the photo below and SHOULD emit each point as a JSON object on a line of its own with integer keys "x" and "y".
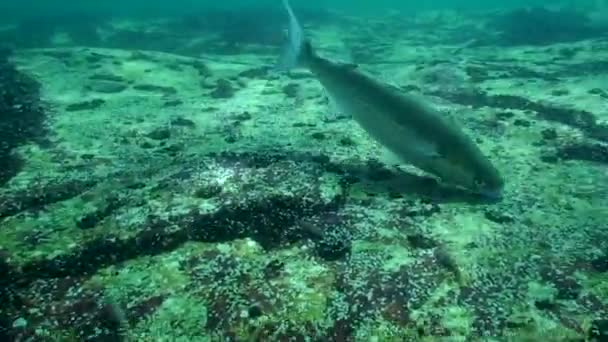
{"x": 336, "y": 110}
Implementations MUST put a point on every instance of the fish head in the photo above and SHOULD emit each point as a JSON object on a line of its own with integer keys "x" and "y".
{"x": 488, "y": 184}
{"x": 473, "y": 172}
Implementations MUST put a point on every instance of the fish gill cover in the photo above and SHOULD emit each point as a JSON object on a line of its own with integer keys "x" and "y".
{"x": 188, "y": 192}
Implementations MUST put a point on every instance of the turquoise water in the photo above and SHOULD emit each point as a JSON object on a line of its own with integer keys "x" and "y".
{"x": 10, "y": 8}
{"x": 424, "y": 172}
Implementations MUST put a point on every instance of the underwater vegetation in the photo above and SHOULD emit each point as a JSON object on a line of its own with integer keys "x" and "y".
{"x": 163, "y": 183}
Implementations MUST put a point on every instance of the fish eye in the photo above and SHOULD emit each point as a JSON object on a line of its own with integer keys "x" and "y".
{"x": 479, "y": 182}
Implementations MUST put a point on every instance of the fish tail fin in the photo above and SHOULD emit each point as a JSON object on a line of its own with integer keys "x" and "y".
{"x": 298, "y": 50}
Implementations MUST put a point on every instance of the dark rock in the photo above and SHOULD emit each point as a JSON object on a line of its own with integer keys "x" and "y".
{"x": 560, "y": 92}
{"x": 173, "y": 103}
{"x": 568, "y": 53}
{"x": 567, "y": 288}
{"x": 522, "y": 123}
{"x": 107, "y": 77}
{"x": 255, "y": 311}
{"x": 61, "y": 55}
{"x": 223, "y": 89}
{"x": 320, "y": 158}
{"x": 318, "y": 136}
{"x": 146, "y": 145}
{"x": 302, "y": 124}
{"x": 333, "y": 244}
{"x": 477, "y": 74}
{"x": 586, "y": 151}
{"x": 155, "y": 89}
{"x": 549, "y": 134}
{"x": 445, "y": 260}
{"x": 499, "y": 216}
{"x": 291, "y": 90}
{"x": 549, "y": 158}
{"x": 173, "y": 149}
{"x": 347, "y": 141}
{"x": 545, "y": 305}
{"x": 22, "y": 117}
{"x": 599, "y": 330}
{"x": 581, "y": 119}
{"x": 183, "y": 122}
{"x": 202, "y": 69}
{"x": 421, "y": 209}
{"x": 208, "y": 191}
{"x": 504, "y": 115}
{"x": 600, "y": 92}
{"x": 85, "y": 105}
{"x": 136, "y": 185}
{"x": 421, "y": 241}
{"x": 36, "y": 199}
{"x": 91, "y": 220}
{"x": 162, "y": 133}
{"x": 174, "y": 67}
{"x": 600, "y": 264}
{"x": 260, "y": 72}
{"x": 273, "y": 269}
{"x": 107, "y": 87}
{"x": 88, "y": 221}
{"x": 245, "y": 116}
{"x": 94, "y": 57}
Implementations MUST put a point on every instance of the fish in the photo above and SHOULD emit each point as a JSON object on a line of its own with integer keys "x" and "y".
{"x": 405, "y": 125}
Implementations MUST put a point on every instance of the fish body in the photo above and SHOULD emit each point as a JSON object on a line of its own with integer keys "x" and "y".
{"x": 413, "y": 131}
